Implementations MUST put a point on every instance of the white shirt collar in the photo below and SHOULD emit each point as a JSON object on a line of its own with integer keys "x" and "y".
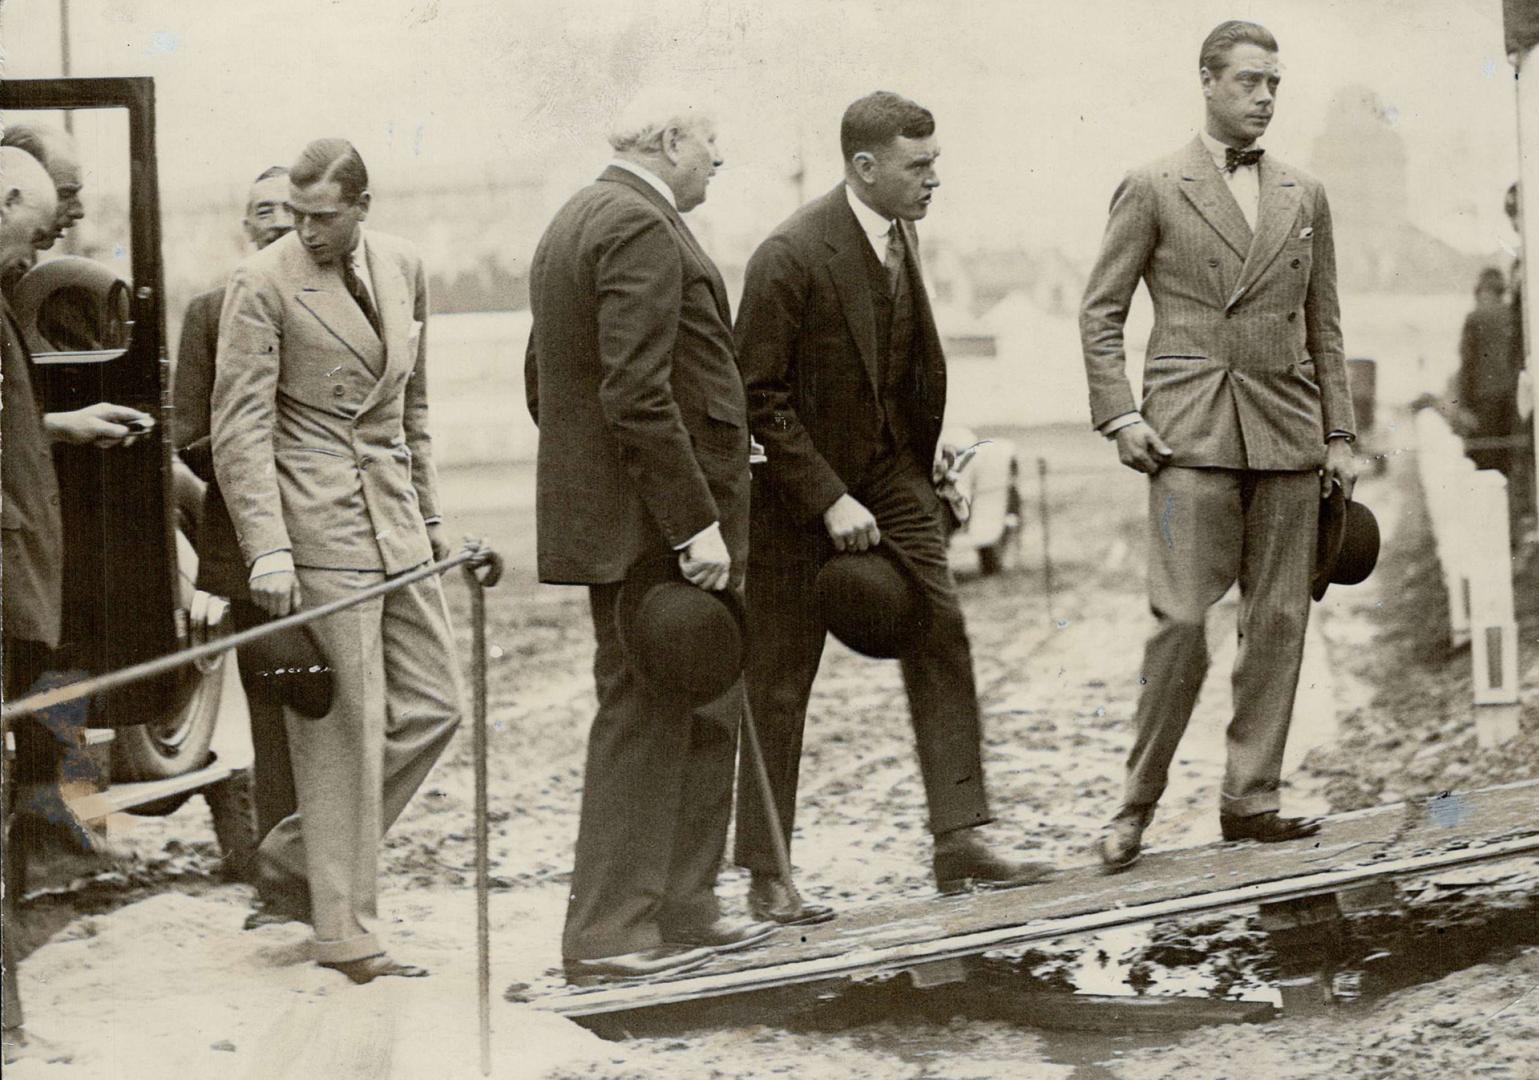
{"x": 649, "y": 176}
{"x": 874, "y": 225}
{"x": 1216, "y": 149}
{"x": 360, "y": 260}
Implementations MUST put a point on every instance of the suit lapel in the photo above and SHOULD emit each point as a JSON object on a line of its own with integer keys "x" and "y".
{"x": 1206, "y": 190}
{"x": 848, "y": 268}
{"x": 1280, "y": 196}
{"x": 394, "y": 304}
{"x": 322, "y": 294}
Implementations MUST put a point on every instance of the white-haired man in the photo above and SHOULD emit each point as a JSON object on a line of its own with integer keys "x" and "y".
{"x": 633, "y": 381}
{"x": 55, "y": 149}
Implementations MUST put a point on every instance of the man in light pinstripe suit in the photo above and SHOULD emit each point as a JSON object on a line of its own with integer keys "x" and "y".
{"x": 1246, "y": 421}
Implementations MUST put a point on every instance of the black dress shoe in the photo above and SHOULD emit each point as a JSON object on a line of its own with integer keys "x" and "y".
{"x": 1268, "y": 828}
{"x": 963, "y": 862}
{"x": 720, "y": 935}
{"x": 1123, "y": 840}
{"x": 280, "y": 898}
{"x": 769, "y": 899}
{"x": 369, "y": 968}
{"x": 658, "y": 960}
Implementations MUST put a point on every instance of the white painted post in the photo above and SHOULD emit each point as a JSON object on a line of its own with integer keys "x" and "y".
{"x": 1493, "y": 618}
{"x": 1445, "y": 472}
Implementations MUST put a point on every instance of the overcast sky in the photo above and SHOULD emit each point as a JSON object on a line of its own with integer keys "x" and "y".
{"x": 1041, "y": 106}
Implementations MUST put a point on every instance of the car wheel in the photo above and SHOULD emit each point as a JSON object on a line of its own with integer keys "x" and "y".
{"x": 1004, "y": 554}
{"x": 178, "y": 742}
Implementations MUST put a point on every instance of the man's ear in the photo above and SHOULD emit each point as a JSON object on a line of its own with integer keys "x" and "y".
{"x": 1207, "y": 81}
{"x": 12, "y": 197}
{"x": 672, "y": 136}
{"x": 362, "y": 204}
{"x": 865, "y": 165}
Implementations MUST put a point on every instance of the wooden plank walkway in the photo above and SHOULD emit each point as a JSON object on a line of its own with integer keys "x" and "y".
{"x": 1447, "y": 830}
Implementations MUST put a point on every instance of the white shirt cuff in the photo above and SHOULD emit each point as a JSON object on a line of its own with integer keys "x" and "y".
{"x": 273, "y": 562}
{"x": 1117, "y": 423}
{"x": 713, "y": 526}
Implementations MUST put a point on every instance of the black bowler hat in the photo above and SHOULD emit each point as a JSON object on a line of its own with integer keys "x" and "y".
{"x": 870, "y": 601}
{"x": 1348, "y": 545}
{"x": 687, "y": 643}
{"x": 288, "y": 668}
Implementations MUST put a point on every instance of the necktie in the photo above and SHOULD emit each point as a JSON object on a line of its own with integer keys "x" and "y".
{"x": 360, "y": 295}
{"x": 893, "y": 261}
{"x": 1239, "y": 159}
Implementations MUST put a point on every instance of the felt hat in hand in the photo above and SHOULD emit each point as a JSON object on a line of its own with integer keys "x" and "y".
{"x": 1348, "y": 543}
{"x": 870, "y": 601}
{"x": 288, "y": 668}
{"x": 687, "y": 643}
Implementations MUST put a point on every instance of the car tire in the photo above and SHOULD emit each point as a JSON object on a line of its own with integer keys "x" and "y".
{"x": 1004, "y": 554}
{"x": 234, "y": 811}
{"x": 178, "y": 742}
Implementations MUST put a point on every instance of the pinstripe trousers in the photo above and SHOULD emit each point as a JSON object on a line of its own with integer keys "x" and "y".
{"x": 1209, "y": 528}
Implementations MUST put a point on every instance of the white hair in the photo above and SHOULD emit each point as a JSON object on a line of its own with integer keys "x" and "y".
{"x": 641, "y": 124}
{"x": 23, "y": 173}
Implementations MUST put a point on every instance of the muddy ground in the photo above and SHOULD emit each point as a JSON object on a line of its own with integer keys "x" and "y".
{"x": 148, "y": 974}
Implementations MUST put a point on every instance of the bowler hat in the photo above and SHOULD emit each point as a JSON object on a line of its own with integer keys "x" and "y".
{"x": 288, "y": 668}
{"x": 1348, "y": 543}
{"x": 686, "y": 642}
{"x": 870, "y": 601}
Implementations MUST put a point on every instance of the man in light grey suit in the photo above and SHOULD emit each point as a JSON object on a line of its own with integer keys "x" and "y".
{"x": 1245, "y": 423}
{"x": 322, "y": 451}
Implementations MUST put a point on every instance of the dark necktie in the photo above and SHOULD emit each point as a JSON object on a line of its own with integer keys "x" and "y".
{"x": 360, "y": 295}
{"x": 893, "y": 261}
{"x": 1239, "y": 159}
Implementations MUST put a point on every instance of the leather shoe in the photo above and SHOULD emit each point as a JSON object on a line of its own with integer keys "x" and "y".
{"x": 963, "y": 861}
{"x": 369, "y": 968}
{"x": 1268, "y": 827}
{"x": 1123, "y": 840}
{"x": 658, "y": 960}
{"x": 771, "y": 900}
{"x": 720, "y": 935}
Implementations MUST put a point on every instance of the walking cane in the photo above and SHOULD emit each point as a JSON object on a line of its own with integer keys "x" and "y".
{"x": 771, "y": 814}
{"x": 478, "y": 746}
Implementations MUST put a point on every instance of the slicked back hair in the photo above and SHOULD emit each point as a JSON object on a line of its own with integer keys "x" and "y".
{"x": 29, "y": 137}
{"x": 1225, "y": 36}
{"x": 325, "y": 160}
{"x": 878, "y": 118}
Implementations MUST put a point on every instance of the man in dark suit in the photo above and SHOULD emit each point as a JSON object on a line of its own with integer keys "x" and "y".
{"x": 846, "y": 389}
{"x": 221, "y": 569}
{"x": 321, "y": 447}
{"x": 1245, "y": 423}
{"x": 33, "y": 573}
{"x": 643, "y": 454}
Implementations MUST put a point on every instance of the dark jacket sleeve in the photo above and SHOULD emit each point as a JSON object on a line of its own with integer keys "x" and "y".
{"x": 776, "y": 292}
{"x": 638, "y": 278}
{"x": 193, "y": 383}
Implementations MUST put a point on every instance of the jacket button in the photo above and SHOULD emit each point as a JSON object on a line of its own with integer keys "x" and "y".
{"x": 1297, "y": 263}
{"x": 1292, "y": 316}
{"x": 338, "y": 390}
{"x": 1212, "y": 262}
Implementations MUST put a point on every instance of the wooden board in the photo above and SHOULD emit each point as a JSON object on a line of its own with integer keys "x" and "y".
{"x": 1451, "y": 829}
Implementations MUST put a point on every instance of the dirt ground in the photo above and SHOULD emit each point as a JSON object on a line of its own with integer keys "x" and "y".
{"x": 147, "y": 974}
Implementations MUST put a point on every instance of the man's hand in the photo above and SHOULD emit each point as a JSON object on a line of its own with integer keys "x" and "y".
{"x": 276, "y": 593}
{"x": 438, "y": 541}
{"x": 1141, "y": 449}
{"x": 705, "y": 561}
{"x": 850, "y": 525}
{"x": 102, "y": 425}
{"x": 487, "y": 564}
{"x": 1340, "y": 466}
